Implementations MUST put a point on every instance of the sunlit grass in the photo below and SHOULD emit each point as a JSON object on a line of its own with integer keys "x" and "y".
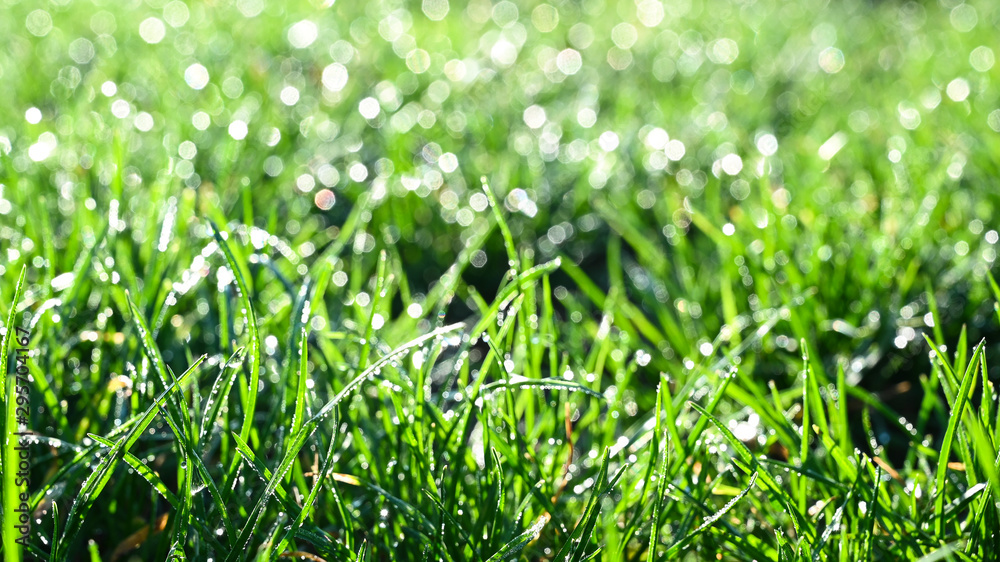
{"x": 503, "y": 280}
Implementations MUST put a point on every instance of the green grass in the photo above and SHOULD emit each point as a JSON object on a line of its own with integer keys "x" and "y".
{"x": 597, "y": 280}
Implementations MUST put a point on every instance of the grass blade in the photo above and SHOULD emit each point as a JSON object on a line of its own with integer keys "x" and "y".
{"x": 253, "y": 348}
{"x": 682, "y": 543}
{"x": 512, "y": 548}
{"x": 12, "y": 487}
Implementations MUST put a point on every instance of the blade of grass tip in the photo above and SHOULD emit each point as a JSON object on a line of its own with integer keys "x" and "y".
{"x": 744, "y": 454}
{"x": 935, "y": 315}
{"x": 961, "y": 351}
{"x": 9, "y": 330}
{"x": 662, "y": 398}
{"x": 683, "y": 542}
{"x": 176, "y": 553}
{"x": 994, "y": 287}
{"x": 957, "y": 413}
{"x": 804, "y": 438}
{"x": 986, "y": 409}
{"x": 671, "y": 422}
{"x": 253, "y": 350}
{"x": 299, "y": 317}
{"x": 300, "y": 387}
{"x": 813, "y": 379}
{"x": 11, "y": 488}
{"x": 55, "y": 521}
{"x": 362, "y": 552}
{"x": 219, "y": 393}
{"x": 996, "y": 294}
{"x": 298, "y": 440}
{"x": 944, "y": 371}
{"x": 513, "y": 263}
{"x": 376, "y": 300}
{"x": 500, "y": 493}
{"x": 512, "y": 548}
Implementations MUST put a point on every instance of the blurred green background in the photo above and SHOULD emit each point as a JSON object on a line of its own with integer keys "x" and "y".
{"x": 747, "y": 153}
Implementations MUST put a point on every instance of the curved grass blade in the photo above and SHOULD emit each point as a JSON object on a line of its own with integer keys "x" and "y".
{"x": 220, "y": 391}
{"x": 516, "y": 382}
{"x": 176, "y": 409}
{"x": 512, "y": 548}
{"x": 143, "y": 470}
{"x": 676, "y": 547}
{"x": 254, "y": 347}
{"x": 9, "y": 335}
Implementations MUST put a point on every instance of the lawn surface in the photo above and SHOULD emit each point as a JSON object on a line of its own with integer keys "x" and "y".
{"x": 426, "y": 281}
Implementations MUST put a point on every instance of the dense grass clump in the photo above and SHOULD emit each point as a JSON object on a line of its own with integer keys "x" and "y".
{"x": 499, "y": 280}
